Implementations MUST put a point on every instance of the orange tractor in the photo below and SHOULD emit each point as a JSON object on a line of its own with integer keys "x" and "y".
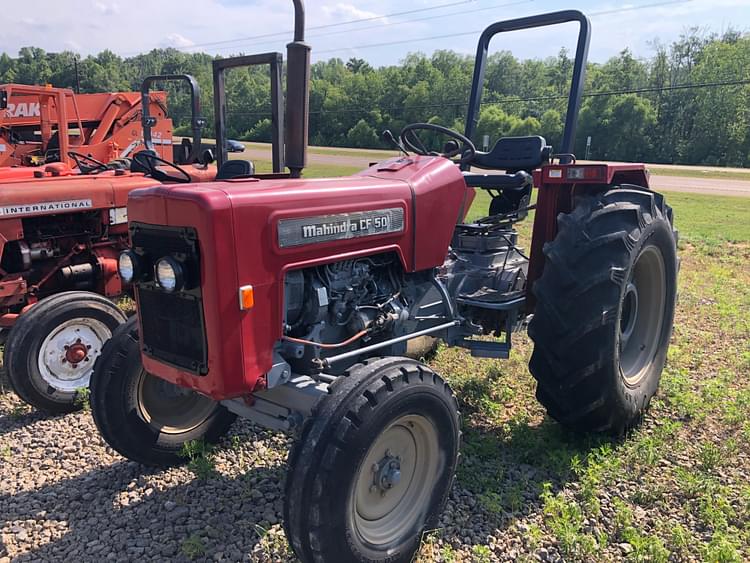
{"x": 41, "y": 125}
{"x": 64, "y": 221}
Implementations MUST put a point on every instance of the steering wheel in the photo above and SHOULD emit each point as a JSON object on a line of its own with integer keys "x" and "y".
{"x": 151, "y": 161}
{"x": 410, "y": 138}
{"x": 81, "y": 161}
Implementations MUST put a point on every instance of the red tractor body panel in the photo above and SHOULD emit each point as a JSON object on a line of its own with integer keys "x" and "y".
{"x": 558, "y": 184}
{"x": 55, "y": 197}
{"x": 242, "y": 218}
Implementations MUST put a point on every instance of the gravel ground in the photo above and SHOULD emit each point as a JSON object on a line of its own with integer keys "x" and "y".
{"x": 66, "y": 496}
{"x": 677, "y": 489}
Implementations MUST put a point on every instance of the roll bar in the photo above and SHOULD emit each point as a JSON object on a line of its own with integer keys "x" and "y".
{"x": 290, "y": 126}
{"x": 275, "y": 61}
{"x": 579, "y": 68}
{"x": 196, "y": 121}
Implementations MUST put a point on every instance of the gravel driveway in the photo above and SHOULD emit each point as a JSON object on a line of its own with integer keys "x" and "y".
{"x": 676, "y": 489}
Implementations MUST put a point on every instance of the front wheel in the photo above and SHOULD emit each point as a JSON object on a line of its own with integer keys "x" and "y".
{"x": 143, "y": 417}
{"x": 374, "y": 465}
{"x": 605, "y": 309}
{"x": 51, "y": 350}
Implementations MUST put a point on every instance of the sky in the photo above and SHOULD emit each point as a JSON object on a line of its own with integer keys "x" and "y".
{"x": 225, "y": 27}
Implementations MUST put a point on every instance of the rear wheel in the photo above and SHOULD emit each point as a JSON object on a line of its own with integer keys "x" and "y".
{"x": 51, "y": 350}
{"x": 605, "y": 309}
{"x": 143, "y": 417}
{"x": 374, "y": 465}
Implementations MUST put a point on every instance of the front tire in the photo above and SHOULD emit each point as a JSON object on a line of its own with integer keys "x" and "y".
{"x": 52, "y": 348}
{"x": 605, "y": 309}
{"x": 145, "y": 418}
{"x": 374, "y": 465}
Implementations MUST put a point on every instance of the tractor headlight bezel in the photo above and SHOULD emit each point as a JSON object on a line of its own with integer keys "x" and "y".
{"x": 129, "y": 266}
{"x": 169, "y": 274}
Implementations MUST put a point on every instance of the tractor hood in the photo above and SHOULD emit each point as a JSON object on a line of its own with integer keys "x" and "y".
{"x": 251, "y": 231}
{"x": 66, "y": 194}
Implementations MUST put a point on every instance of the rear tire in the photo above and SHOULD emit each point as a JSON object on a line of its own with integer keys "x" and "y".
{"x": 144, "y": 418}
{"x": 51, "y": 350}
{"x": 605, "y": 309}
{"x": 374, "y": 465}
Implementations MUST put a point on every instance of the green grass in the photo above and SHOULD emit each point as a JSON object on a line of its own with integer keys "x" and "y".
{"x": 697, "y": 172}
{"x": 336, "y": 151}
{"x": 200, "y": 456}
{"x": 686, "y": 171}
{"x": 193, "y": 547}
{"x": 684, "y": 469}
{"x": 315, "y": 170}
{"x": 711, "y": 219}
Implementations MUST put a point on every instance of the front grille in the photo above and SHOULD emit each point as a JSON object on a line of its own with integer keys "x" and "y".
{"x": 172, "y": 324}
{"x": 172, "y": 327}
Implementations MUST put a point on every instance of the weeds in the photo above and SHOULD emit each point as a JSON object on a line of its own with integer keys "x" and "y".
{"x": 200, "y": 458}
{"x": 193, "y": 547}
{"x": 565, "y": 519}
{"x": 83, "y": 399}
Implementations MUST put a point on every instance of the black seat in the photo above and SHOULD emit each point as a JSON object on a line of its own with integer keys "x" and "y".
{"x": 235, "y": 169}
{"x": 181, "y": 153}
{"x": 517, "y": 156}
{"x": 136, "y": 166}
{"x": 514, "y": 153}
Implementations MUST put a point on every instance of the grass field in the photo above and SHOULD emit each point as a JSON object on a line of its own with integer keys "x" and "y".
{"x": 698, "y": 172}
{"x": 677, "y": 488}
{"x": 655, "y": 169}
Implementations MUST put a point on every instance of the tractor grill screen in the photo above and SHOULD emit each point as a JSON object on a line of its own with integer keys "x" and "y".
{"x": 172, "y": 327}
{"x": 172, "y": 324}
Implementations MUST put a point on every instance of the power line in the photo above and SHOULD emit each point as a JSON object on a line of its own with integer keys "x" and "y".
{"x": 387, "y": 24}
{"x": 455, "y": 103}
{"x": 337, "y": 24}
{"x": 252, "y": 38}
{"x": 478, "y": 31}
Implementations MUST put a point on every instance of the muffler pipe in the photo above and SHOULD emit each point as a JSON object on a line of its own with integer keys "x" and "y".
{"x": 297, "y": 94}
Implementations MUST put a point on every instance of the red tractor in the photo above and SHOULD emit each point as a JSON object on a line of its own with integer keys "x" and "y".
{"x": 61, "y": 231}
{"x": 290, "y": 302}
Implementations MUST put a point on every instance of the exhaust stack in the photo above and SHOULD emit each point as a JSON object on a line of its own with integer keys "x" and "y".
{"x": 297, "y": 94}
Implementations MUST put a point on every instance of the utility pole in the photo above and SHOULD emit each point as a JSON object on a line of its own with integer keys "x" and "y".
{"x": 78, "y": 78}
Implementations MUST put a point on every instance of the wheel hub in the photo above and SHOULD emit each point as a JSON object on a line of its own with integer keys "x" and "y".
{"x": 629, "y": 313}
{"x": 642, "y": 315}
{"x": 395, "y": 480}
{"x": 67, "y": 355}
{"x": 386, "y": 473}
{"x": 170, "y": 408}
{"x": 76, "y": 353}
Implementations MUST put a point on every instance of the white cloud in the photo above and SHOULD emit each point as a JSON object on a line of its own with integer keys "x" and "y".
{"x": 107, "y": 8}
{"x": 177, "y": 40}
{"x": 349, "y": 11}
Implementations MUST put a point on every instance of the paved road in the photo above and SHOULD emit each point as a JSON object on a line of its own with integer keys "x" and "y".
{"x": 665, "y": 183}
{"x": 701, "y": 185}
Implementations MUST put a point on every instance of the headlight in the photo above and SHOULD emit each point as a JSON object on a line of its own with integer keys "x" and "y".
{"x": 128, "y": 266}
{"x": 169, "y": 274}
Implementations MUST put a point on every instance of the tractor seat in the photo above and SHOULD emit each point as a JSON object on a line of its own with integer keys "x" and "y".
{"x": 518, "y": 156}
{"x": 513, "y": 154}
{"x": 235, "y": 169}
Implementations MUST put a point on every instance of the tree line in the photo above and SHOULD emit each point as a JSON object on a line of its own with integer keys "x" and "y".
{"x": 688, "y": 104}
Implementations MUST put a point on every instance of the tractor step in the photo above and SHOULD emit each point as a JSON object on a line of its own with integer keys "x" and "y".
{"x": 493, "y": 348}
